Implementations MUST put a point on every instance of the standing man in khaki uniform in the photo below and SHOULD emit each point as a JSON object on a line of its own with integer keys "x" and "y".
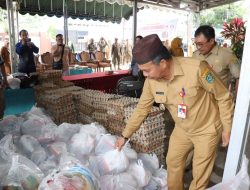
{"x": 221, "y": 59}
{"x": 199, "y": 103}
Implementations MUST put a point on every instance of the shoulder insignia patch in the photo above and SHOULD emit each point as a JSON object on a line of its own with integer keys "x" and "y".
{"x": 208, "y": 75}
{"x": 209, "y": 78}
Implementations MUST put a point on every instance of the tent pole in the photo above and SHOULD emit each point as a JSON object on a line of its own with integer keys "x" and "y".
{"x": 134, "y": 21}
{"x": 12, "y": 35}
{"x": 65, "y": 16}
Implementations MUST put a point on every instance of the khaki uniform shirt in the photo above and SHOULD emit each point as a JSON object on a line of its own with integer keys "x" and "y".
{"x": 223, "y": 62}
{"x": 209, "y": 103}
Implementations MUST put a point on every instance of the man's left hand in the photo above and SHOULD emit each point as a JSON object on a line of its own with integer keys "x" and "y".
{"x": 225, "y": 138}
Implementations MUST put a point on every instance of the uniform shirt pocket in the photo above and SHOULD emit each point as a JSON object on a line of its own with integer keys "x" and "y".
{"x": 190, "y": 97}
{"x": 161, "y": 99}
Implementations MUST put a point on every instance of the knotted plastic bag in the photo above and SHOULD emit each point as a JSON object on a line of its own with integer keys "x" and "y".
{"x": 240, "y": 182}
{"x": 141, "y": 175}
{"x": 112, "y": 162}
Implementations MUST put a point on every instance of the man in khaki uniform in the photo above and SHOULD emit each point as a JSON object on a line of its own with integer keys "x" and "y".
{"x": 221, "y": 59}
{"x": 199, "y": 103}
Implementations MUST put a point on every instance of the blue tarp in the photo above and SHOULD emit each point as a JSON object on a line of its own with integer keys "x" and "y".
{"x": 18, "y": 101}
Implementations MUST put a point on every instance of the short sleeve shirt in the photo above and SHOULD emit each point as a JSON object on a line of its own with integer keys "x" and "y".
{"x": 223, "y": 62}
{"x": 209, "y": 103}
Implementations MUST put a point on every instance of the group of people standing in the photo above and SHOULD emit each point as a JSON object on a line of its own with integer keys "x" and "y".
{"x": 121, "y": 53}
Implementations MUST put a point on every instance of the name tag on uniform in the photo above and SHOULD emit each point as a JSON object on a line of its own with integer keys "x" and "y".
{"x": 182, "y": 111}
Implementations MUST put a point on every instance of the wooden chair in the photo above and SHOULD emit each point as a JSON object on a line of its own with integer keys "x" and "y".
{"x": 102, "y": 62}
{"x": 47, "y": 60}
{"x": 85, "y": 59}
{"x": 74, "y": 61}
{"x": 39, "y": 67}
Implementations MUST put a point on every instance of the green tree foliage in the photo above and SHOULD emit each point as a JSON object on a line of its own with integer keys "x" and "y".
{"x": 217, "y": 16}
{"x": 51, "y": 32}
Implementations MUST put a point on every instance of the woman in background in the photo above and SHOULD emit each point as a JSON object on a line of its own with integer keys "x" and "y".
{"x": 176, "y": 47}
{"x": 5, "y": 53}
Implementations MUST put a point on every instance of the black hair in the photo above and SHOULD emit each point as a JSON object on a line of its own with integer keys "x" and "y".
{"x": 163, "y": 54}
{"x": 59, "y": 35}
{"x": 206, "y": 30}
{"x": 140, "y": 37}
{"x": 23, "y": 30}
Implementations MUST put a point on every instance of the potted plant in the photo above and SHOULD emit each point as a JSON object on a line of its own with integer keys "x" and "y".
{"x": 235, "y": 31}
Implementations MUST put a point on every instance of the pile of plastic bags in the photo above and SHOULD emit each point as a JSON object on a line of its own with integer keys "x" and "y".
{"x": 35, "y": 153}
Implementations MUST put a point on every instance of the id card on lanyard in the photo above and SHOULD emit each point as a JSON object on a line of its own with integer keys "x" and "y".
{"x": 182, "y": 108}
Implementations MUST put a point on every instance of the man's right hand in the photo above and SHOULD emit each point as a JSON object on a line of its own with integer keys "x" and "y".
{"x": 119, "y": 143}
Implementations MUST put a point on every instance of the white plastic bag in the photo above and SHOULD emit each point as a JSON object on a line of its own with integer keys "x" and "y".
{"x": 39, "y": 155}
{"x": 122, "y": 181}
{"x": 39, "y": 129}
{"x": 7, "y": 148}
{"x": 129, "y": 152}
{"x": 112, "y": 162}
{"x": 150, "y": 161}
{"x": 240, "y": 182}
{"x": 65, "y": 131}
{"x": 11, "y": 124}
{"x": 14, "y": 83}
{"x": 105, "y": 143}
{"x": 27, "y": 145}
{"x": 23, "y": 174}
{"x": 57, "y": 148}
{"x": 141, "y": 175}
{"x": 74, "y": 178}
{"x": 81, "y": 144}
{"x": 93, "y": 129}
{"x": 160, "y": 176}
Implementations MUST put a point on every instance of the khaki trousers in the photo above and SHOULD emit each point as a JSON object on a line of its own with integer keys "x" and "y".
{"x": 204, "y": 146}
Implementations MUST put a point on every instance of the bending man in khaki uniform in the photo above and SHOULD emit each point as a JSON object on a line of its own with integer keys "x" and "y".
{"x": 198, "y": 101}
{"x": 221, "y": 59}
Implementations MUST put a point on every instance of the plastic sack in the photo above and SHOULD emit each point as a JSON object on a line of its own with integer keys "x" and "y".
{"x": 93, "y": 129}
{"x": 153, "y": 185}
{"x": 23, "y": 174}
{"x": 65, "y": 131}
{"x": 28, "y": 144}
{"x": 160, "y": 176}
{"x": 40, "y": 113}
{"x": 37, "y": 128}
{"x": 14, "y": 83}
{"x": 112, "y": 162}
{"x": 57, "y": 148}
{"x": 48, "y": 166}
{"x": 93, "y": 166}
{"x": 11, "y": 125}
{"x": 38, "y": 156}
{"x": 7, "y": 148}
{"x": 141, "y": 175}
{"x": 240, "y": 182}
{"x": 74, "y": 178}
{"x": 81, "y": 144}
{"x": 105, "y": 143}
{"x": 122, "y": 181}
{"x": 67, "y": 160}
{"x": 150, "y": 161}
{"x": 129, "y": 152}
